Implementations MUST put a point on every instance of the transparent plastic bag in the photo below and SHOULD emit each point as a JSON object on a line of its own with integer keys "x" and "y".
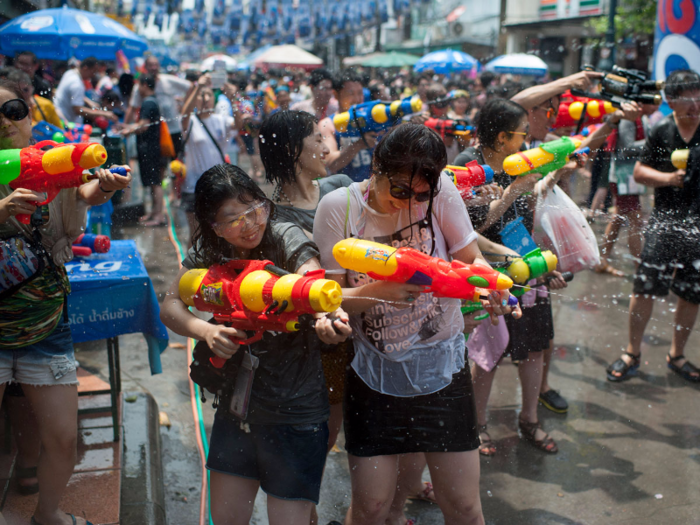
{"x": 561, "y": 226}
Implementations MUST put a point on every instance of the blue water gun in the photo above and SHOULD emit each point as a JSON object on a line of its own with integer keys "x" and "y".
{"x": 374, "y": 116}
{"x": 45, "y": 131}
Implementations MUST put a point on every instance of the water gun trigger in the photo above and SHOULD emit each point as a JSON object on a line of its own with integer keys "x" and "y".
{"x": 219, "y": 362}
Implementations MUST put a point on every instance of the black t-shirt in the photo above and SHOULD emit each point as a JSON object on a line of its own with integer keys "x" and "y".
{"x": 519, "y": 208}
{"x": 148, "y": 142}
{"x": 288, "y": 387}
{"x": 670, "y": 202}
{"x": 305, "y": 218}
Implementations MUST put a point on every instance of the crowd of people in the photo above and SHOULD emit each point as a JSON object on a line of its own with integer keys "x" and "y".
{"x": 392, "y": 367}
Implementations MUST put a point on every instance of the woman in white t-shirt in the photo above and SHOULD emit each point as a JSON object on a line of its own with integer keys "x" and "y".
{"x": 408, "y": 389}
{"x": 206, "y": 135}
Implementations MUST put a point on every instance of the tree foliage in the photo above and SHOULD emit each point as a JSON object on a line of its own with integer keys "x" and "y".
{"x": 634, "y": 18}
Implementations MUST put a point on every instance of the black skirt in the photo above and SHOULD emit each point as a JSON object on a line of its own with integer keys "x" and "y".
{"x": 377, "y": 424}
{"x": 532, "y": 332}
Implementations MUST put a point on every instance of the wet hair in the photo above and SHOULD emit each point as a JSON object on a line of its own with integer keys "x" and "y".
{"x": 680, "y": 81}
{"x": 435, "y": 91}
{"x": 496, "y": 116}
{"x": 148, "y": 80}
{"x": 282, "y": 137}
{"x": 126, "y": 85}
{"x": 16, "y": 75}
{"x": 89, "y": 62}
{"x": 319, "y": 75}
{"x": 217, "y": 185}
{"x": 29, "y": 54}
{"x": 345, "y": 76}
{"x": 12, "y": 86}
{"x": 424, "y": 76}
{"x": 486, "y": 78}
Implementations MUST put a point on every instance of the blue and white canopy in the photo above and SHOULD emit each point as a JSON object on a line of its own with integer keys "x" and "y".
{"x": 518, "y": 64}
{"x": 62, "y": 33}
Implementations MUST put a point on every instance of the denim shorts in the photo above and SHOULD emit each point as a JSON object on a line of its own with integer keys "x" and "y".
{"x": 288, "y": 460}
{"x": 49, "y": 362}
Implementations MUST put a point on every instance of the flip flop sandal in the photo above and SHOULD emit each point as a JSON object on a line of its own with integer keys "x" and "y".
{"x": 26, "y": 473}
{"x": 688, "y": 371}
{"x": 75, "y": 522}
{"x": 625, "y": 370}
{"x": 529, "y": 431}
{"x": 425, "y": 495}
{"x": 487, "y": 447}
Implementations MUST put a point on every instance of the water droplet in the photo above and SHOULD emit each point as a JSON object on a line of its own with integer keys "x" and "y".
{"x": 489, "y": 494}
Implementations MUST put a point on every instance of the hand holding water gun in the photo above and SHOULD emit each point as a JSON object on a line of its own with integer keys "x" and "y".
{"x": 257, "y": 296}
{"x": 62, "y": 166}
{"x": 468, "y": 177}
{"x": 374, "y": 116}
{"x": 549, "y": 157}
{"x": 450, "y": 128}
{"x": 89, "y": 243}
{"x": 679, "y": 159}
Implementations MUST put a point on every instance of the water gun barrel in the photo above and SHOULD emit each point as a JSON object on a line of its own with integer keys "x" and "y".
{"x": 679, "y": 159}
{"x": 524, "y": 162}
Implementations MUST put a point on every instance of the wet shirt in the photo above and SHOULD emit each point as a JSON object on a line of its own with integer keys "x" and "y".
{"x": 520, "y": 208}
{"x": 288, "y": 387}
{"x": 400, "y": 350}
{"x": 360, "y": 166}
{"x": 305, "y": 218}
{"x": 669, "y": 202}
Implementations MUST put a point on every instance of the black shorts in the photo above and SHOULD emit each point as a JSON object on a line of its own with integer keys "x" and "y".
{"x": 377, "y": 424}
{"x": 288, "y": 460}
{"x": 177, "y": 143}
{"x": 151, "y": 169}
{"x": 532, "y": 332}
{"x": 249, "y": 142}
{"x": 668, "y": 262}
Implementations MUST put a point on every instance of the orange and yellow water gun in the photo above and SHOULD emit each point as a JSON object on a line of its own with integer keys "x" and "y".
{"x": 49, "y": 171}
{"x": 257, "y": 296}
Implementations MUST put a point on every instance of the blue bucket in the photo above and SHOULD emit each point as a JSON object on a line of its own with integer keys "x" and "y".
{"x": 515, "y": 236}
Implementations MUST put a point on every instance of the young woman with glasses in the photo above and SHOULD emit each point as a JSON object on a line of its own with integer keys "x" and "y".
{"x": 36, "y": 348}
{"x": 408, "y": 389}
{"x": 280, "y": 446}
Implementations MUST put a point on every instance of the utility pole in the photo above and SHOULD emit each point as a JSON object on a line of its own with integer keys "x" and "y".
{"x": 502, "y": 40}
{"x": 378, "y": 35}
{"x": 608, "y": 62}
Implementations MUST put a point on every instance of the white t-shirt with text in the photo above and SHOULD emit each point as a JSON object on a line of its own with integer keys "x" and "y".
{"x": 70, "y": 93}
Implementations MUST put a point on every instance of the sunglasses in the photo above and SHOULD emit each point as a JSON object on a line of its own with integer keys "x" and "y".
{"x": 15, "y": 109}
{"x": 401, "y": 192}
{"x": 550, "y": 111}
{"x": 252, "y": 217}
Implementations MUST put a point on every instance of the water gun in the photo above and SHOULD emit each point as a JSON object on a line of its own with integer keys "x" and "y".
{"x": 549, "y": 157}
{"x": 405, "y": 265}
{"x": 178, "y": 168}
{"x": 78, "y": 132}
{"x": 532, "y": 265}
{"x": 50, "y": 171}
{"x": 89, "y": 243}
{"x": 625, "y": 85}
{"x": 571, "y": 111}
{"x": 257, "y": 296}
{"x": 469, "y": 176}
{"x": 374, "y": 116}
{"x": 679, "y": 159}
{"x": 46, "y": 131}
{"x": 450, "y": 128}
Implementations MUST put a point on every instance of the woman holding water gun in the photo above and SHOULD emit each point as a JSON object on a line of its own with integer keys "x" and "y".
{"x": 280, "y": 445}
{"x": 36, "y": 349}
{"x": 502, "y": 127}
{"x": 407, "y": 390}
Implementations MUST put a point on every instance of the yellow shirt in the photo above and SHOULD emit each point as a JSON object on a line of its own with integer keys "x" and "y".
{"x": 48, "y": 109}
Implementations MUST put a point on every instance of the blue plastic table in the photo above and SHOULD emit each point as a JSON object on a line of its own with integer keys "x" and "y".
{"x": 113, "y": 295}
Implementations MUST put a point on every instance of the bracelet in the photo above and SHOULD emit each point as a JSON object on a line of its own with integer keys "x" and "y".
{"x": 104, "y": 190}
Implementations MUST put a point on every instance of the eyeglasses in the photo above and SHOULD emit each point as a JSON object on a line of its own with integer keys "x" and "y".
{"x": 15, "y": 109}
{"x": 401, "y": 192}
{"x": 255, "y": 215}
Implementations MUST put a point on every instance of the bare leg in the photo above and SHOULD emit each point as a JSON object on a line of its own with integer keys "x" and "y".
{"x": 641, "y": 307}
{"x": 686, "y": 313}
{"x": 409, "y": 483}
{"x": 612, "y": 232}
{"x": 546, "y": 360}
{"x": 635, "y": 239}
{"x": 56, "y": 409}
{"x": 334, "y": 424}
{"x": 373, "y": 486}
{"x": 157, "y": 210}
{"x": 285, "y": 512}
{"x": 482, "y": 381}
{"x": 25, "y": 430}
{"x": 599, "y": 200}
{"x": 456, "y": 479}
{"x": 232, "y": 499}
{"x": 530, "y": 372}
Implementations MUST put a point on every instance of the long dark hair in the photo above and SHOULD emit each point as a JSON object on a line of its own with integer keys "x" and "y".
{"x": 497, "y": 115}
{"x": 281, "y": 143}
{"x": 417, "y": 151}
{"x": 217, "y": 185}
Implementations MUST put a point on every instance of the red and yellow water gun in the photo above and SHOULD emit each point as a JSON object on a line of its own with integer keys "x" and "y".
{"x": 405, "y": 265}
{"x": 469, "y": 176}
{"x": 49, "y": 171}
{"x": 572, "y": 108}
{"x": 257, "y": 296}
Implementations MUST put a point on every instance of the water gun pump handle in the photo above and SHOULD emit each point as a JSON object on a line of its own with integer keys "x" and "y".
{"x": 119, "y": 171}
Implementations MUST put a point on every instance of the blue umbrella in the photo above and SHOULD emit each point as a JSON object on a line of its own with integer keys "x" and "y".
{"x": 62, "y": 33}
{"x": 518, "y": 64}
{"x": 446, "y": 61}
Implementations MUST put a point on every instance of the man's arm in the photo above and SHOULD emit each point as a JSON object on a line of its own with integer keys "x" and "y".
{"x": 93, "y": 113}
{"x": 648, "y": 176}
{"x": 536, "y": 95}
{"x": 337, "y": 159}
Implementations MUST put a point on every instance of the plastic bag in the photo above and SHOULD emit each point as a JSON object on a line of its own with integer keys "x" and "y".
{"x": 561, "y": 226}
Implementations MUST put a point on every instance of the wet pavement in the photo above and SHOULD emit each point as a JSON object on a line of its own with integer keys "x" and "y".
{"x": 629, "y": 453}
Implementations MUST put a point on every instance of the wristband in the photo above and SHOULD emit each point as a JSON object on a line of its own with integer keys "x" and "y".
{"x": 104, "y": 190}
